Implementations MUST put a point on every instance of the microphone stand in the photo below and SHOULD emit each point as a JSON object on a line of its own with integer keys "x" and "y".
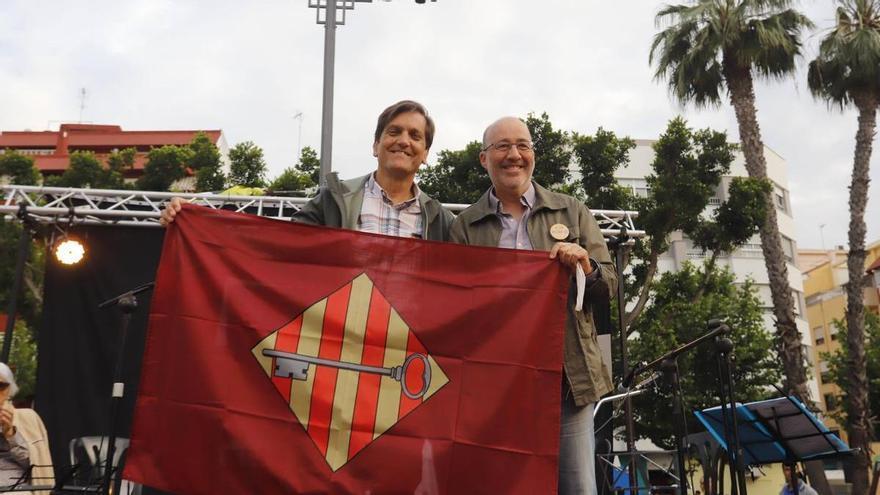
{"x": 724, "y": 346}
{"x": 670, "y": 373}
{"x": 127, "y": 303}
{"x": 668, "y": 365}
{"x": 617, "y": 244}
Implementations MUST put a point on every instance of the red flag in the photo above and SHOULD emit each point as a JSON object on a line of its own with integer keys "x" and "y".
{"x": 286, "y": 358}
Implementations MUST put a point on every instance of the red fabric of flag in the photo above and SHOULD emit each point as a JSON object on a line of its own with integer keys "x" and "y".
{"x": 286, "y": 358}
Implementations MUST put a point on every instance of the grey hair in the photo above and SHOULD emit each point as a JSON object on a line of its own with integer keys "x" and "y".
{"x": 7, "y": 376}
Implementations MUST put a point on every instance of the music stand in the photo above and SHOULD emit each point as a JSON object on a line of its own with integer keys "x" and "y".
{"x": 776, "y": 430}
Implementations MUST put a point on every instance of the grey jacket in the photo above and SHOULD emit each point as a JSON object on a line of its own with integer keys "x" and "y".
{"x": 479, "y": 225}
{"x": 338, "y": 204}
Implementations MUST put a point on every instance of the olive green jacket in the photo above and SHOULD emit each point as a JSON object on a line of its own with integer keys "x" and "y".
{"x": 479, "y": 225}
{"x": 338, "y": 204}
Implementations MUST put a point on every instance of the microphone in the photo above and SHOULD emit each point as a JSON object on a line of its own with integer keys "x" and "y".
{"x": 647, "y": 381}
{"x": 628, "y": 379}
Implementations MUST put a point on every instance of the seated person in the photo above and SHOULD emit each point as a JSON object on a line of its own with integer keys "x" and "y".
{"x": 23, "y": 439}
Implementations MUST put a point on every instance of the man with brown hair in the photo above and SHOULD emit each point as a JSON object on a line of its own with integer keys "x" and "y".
{"x": 386, "y": 201}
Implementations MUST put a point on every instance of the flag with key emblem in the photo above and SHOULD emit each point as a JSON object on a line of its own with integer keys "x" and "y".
{"x": 286, "y": 358}
{"x": 356, "y": 343}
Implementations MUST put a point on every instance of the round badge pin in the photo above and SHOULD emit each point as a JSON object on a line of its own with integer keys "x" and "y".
{"x": 559, "y": 232}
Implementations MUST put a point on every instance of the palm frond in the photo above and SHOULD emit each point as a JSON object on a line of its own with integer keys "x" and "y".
{"x": 848, "y": 63}
{"x": 706, "y": 38}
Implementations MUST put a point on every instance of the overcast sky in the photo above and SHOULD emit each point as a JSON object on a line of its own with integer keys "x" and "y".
{"x": 248, "y": 67}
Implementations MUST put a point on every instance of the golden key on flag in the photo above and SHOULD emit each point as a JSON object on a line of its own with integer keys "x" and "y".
{"x": 296, "y": 366}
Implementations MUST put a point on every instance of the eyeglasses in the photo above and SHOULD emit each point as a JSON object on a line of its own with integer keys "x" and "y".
{"x": 504, "y": 146}
{"x": 3, "y": 386}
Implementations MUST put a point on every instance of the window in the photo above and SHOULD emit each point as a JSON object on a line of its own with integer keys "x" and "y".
{"x": 819, "y": 335}
{"x": 638, "y": 187}
{"x": 714, "y": 201}
{"x": 808, "y": 354}
{"x": 824, "y": 372}
{"x": 798, "y": 302}
{"x": 830, "y": 402}
{"x": 833, "y": 332}
{"x": 788, "y": 249}
{"x": 780, "y": 199}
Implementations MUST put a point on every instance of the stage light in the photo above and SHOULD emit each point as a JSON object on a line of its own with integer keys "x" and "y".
{"x": 69, "y": 251}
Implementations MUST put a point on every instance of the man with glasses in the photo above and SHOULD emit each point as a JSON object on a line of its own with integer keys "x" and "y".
{"x": 520, "y": 214}
{"x": 386, "y": 201}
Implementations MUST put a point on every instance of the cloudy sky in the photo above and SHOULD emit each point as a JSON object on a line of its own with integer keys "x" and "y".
{"x": 248, "y": 67}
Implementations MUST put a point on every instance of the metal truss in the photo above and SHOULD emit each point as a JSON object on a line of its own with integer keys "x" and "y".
{"x": 51, "y": 205}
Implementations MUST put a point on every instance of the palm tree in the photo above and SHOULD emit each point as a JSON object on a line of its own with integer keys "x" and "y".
{"x": 712, "y": 45}
{"x": 847, "y": 71}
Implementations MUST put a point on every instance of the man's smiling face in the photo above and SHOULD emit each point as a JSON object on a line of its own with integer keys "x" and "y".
{"x": 510, "y": 171}
{"x": 402, "y": 148}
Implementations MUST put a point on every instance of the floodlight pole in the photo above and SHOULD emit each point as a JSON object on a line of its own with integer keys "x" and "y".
{"x": 327, "y": 105}
{"x": 24, "y": 243}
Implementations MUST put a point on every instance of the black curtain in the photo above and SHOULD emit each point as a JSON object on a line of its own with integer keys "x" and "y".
{"x": 78, "y": 343}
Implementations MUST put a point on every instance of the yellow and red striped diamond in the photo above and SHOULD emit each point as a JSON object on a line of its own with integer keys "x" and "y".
{"x": 341, "y": 410}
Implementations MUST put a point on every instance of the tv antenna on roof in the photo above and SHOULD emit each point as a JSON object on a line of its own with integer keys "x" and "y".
{"x": 299, "y": 116}
{"x": 82, "y": 103}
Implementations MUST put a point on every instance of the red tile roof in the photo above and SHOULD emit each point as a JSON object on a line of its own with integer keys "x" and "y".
{"x": 89, "y": 135}
{"x": 98, "y": 138}
{"x": 874, "y": 266}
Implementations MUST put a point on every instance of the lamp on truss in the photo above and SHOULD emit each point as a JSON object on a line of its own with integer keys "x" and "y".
{"x": 67, "y": 249}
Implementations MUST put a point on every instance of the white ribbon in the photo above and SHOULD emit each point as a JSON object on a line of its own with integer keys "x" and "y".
{"x": 581, "y": 287}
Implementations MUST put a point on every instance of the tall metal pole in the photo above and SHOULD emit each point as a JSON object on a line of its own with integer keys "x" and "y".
{"x": 327, "y": 112}
{"x": 619, "y": 258}
{"x": 24, "y": 244}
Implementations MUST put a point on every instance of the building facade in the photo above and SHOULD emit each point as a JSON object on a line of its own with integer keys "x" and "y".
{"x": 51, "y": 149}
{"x": 747, "y": 262}
{"x": 825, "y": 278}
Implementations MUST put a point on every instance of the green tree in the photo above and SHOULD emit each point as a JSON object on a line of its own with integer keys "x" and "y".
{"x": 31, "y": 297}
{"x": 19, "y": 168}
{"x": 712, "y": 45}
{"x": 204, "y": 160}
{"x": 23, "y": 360}
{"x": 687, "y": 170}
{"x": 310, "y": 164}
{"x": 247, "y": 166}
{"x": 118, "y": 163}
{"x": 847, "y": 72}
{"x": 292, "y": 181}
{"x": 164, "y": 166}
{"x": 87, "y": 172}
{"x": 735, "y": 220}
{"x": 598, "y": 157}
{"x": 457, "y": 177}
{"x": 838, "y": 372}
{"x": 552, "y": 151}
{"x": 682, "y": 303}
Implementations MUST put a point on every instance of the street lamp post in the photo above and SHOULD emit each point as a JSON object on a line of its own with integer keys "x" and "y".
{"x": 330, "y": 9}
{"x": 330, "y": 21}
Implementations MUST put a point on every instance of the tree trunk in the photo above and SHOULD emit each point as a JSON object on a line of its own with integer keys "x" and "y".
{"x": 788, "y": 338}
{"x": 857, "y": 395}
{"x": 742, "y": 97}
{"x": 645, "y": 292}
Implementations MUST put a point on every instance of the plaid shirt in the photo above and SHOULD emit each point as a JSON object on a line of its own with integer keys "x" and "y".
{"x": 380, "y": 216}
